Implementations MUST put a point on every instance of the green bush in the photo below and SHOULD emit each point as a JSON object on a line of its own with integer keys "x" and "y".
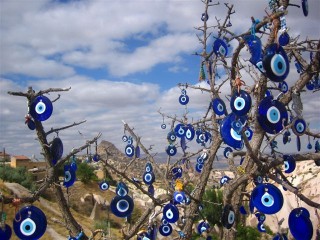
{"x": 17, "y": 175}
{"x": 85, "y": 173}
{"x": 247, "y": 232}
{"x": 212, "y": 202}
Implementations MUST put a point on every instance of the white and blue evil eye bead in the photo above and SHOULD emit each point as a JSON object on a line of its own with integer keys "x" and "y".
{"x": 183, "y": 92}
{"x": 204, "y": 17}
{"x": 122, "y": 189}
{"x": 261, "y": 227}
{"x": 104, "y": 185}
{"x": 228, "y": 134}
{"x": 276, "y": 63}
{"x": 284, "y": 38}
{"x": 171, "y": 150}
{"x": 179, "y": 196}
{"x": 189, "y": 132}
{"x": 272, "y": 115}
{"x": 237, "y": 126}
{"x": 56, "y": 150}
{"x": 228, "y": 216}
{"x": 219, "y": 107}
{"x": 171, "y": 213}
{"x": 122, "y": 206}
{"x": 148, "y": 167}
{"x": 300, "y": 224}
{"x": 137, "y": 152}
{"x": 180, "y": 130}
{"x": 5, "y": 232}
{"x": 242, "y": 210}
{"x": 96, "y": 157}
{"x": 227, "y": 151}
{"x": 177, "y": 172}
{"x": 124, "y": 138}
{"x": 165, "y": 229}
{"x": 203, "y": 226}
{"x": 240, "y": 103}
{"x": 268, "y": 93}
{"x": 258, "y": 180}
{"x": 199, "y": 167}
{"x": 305, "y": 7}
{"x": 220, "y": 48}
{"x": 129, "y": 150}
{"x": 130, "y": 140}
{"x": 69, "y": 176}
{"x": 148, "y": 178}
{"x": 171, "y": 137}
{"x": 283, "y": 86}
{"x": 163, "y": 126}
{"x": 267, "y": 198}
{"x": 259, "y": 65}
{"x": 224, "y": 180}
{"x": 184, "y": 99}
{"x": 255, "y": 47}
{"x": 261, "y": 217}
{"x": 41, "y": 108}
{"x": 200, "y": 160}
{"x": 249, "y": 133}
{"x": 299, "y": 126}
{"x": 289, "y": 163}
{"x": 32, "y": 224}
{"x": 151, "y": 190}
{"x": 204, "y": 155}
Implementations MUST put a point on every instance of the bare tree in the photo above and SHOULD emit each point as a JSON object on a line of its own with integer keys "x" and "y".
{"x": 257, "y": 162}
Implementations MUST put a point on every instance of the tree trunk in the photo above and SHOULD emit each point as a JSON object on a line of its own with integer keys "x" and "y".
{"x": 192, "y": 209}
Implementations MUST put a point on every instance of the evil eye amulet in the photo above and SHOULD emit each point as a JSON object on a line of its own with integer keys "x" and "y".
{"x": 104, "y": 186}
{"x": 300, "y": 224}
{"x": 177, "y": 172}
{"x": 228, "y": 216}
{"x": 180, "y": 130}
{"x": 129, "y": 150}
{"x": 56, "y": 149}
{"x": 283, "y": 86}
{"x": 122, "y": 206}
{"x": 171, "y": 137}
{"x": 179, "y": 196}
{"x": 41, "y": 108}
{"x": 272, "y": 115}
{"x": 289, "y": 163}
{"x": 220, "y": 47}
{"x": 267, "y": 198}
{"x": 305, "y": 7}
{"x": 299, "y": 126}
{"x": 171, "y": 150}
{"x": 284, "y": 39}
{"x": 227, "y": 151}
{"x": 148, "y": 178}
{"x": 165, "y": 229}
{"x": 276, "y": 63}
{"x": 171, "y": 213}
{"x": 219, "y": 106}
{"x": 32, "y": 225}
{"x": 148, "y": 167}
{"x": 122, "y": 189}
{"x": 224, "y": 180}
{"x": 240, "y": 103}
{"x": 5, "y": 232}
{"x": 163, "y": 126}
{"x": 199, "y": 167}
{"x": 69, "y": 176}
{"x": 261, "y": 227}
{"x": 203, "y": 226}
{"x": 184, "y": 99}
{"x": 189, "y": 132}
{"x": 228, "y": 134}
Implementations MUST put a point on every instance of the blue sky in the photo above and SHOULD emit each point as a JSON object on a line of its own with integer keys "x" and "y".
{"x": 123, "y": 60}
